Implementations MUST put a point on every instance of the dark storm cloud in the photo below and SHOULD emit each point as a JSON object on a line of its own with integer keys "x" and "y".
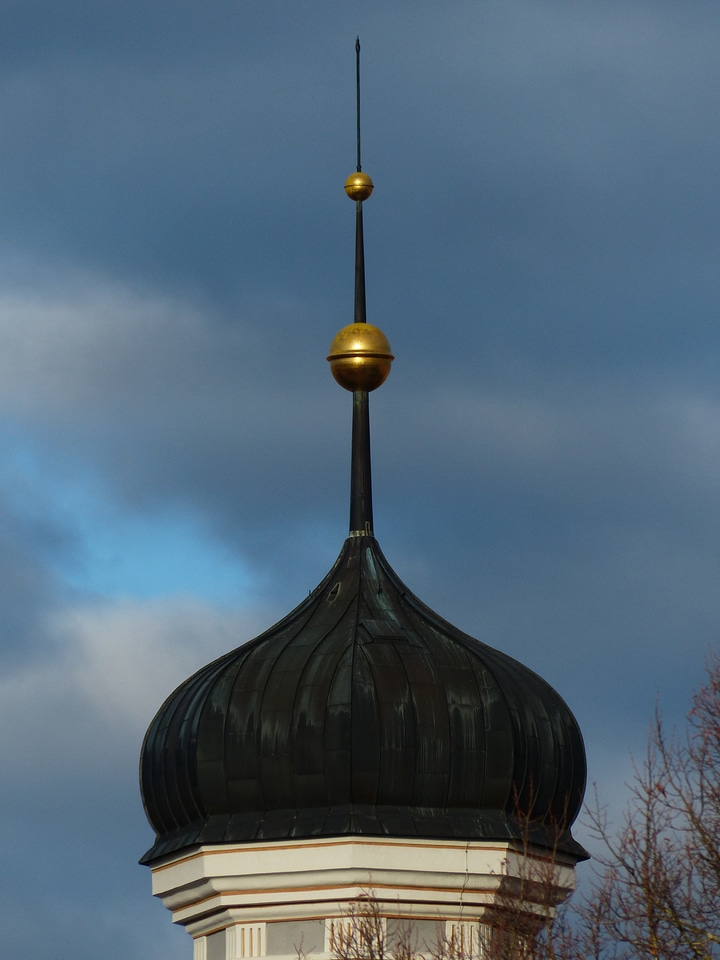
{"x": 159, "y": 136}
{"x": 214, "y": 167}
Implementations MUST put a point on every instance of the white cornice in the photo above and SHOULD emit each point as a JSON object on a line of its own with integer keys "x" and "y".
{"x": 216, "y": 886}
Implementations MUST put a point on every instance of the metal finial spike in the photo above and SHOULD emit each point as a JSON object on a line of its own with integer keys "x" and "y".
{"x": 358, "y": 185}
{"x": 360, "y": 355}
{"x": 357, "y": 96}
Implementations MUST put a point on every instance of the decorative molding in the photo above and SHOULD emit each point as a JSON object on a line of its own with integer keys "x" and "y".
{"x": 217, "y": 887}
{"x": 245, "y": 940}
{"x": 467, "y": 939}
{"x": 350, "y": 934}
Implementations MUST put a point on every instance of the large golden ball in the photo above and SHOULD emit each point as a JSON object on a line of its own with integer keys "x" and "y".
{"x": 360, "y": 357}
{"x": 359, "y": 186}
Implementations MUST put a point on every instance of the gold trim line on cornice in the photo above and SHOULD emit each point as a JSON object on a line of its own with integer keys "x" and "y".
{"x": 453, "y": 891}
{"x": 227, "y": 849}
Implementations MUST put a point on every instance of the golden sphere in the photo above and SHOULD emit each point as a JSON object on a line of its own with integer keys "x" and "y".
{"x": 358, "y": 186}
{"x": 360, "y": 357}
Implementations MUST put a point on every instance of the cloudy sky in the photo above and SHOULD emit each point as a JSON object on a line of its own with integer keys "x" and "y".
{"x": 175, "y": 258}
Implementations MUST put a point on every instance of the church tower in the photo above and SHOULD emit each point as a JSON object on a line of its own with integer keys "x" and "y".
{"x": 363, "y": 758}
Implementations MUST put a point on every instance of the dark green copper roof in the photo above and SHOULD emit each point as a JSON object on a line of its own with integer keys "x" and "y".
{"x": 362, "y": 713}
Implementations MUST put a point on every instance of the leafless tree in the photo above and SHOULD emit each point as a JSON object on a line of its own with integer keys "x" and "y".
{"x": 656, "y": 892}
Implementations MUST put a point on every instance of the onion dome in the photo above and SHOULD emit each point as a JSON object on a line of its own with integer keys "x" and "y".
{"x": 362, "y": 713}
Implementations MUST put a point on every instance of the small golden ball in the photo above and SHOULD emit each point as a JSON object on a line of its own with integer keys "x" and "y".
{"x": 360, "y": 357}
{"x": 358, "y": 186}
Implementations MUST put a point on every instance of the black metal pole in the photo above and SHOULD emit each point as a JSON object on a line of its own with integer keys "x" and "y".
{"x": 361, "y": 512}
{"x": 360, "y": 307}
{"x": 357, "y": 98}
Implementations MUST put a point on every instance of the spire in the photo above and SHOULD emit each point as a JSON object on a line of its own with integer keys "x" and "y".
{"x": 361, "y": 188}
{"x": 360, "y": 354}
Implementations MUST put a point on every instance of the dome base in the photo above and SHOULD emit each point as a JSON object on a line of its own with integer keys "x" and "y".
{"x": 363, "y": 821}
{"x": 283, "y": 894}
